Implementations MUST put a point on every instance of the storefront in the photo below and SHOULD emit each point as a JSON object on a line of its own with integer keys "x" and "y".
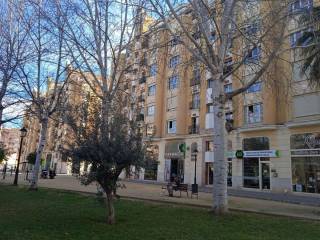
{"x": 256, "y": 169}
{"x": 305, "y": 162}
{"x": 174, "y": 161}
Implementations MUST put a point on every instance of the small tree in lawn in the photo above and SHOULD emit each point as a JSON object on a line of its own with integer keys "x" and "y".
{"x": 108, "y": 149}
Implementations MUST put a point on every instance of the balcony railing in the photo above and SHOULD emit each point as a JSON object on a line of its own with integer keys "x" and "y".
{"x": 195, "y": 104}
{"x": 143, "y": 79}
{"x": 194, "y": 129}
{"x": 195, "y": 81}
{"x": 141, "y": 98}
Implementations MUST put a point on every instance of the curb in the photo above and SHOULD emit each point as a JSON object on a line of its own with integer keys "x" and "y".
{"x": 192, "y": 205}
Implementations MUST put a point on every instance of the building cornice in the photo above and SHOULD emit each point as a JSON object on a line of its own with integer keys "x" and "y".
{"x": 258, "y": 128}
{"x": 303, "y": 124}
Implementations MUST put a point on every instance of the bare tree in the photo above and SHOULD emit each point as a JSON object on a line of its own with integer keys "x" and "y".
{"x": 44, "y": 77}
{"x": 13, "y": 53}
{"x": 213, "y": 31}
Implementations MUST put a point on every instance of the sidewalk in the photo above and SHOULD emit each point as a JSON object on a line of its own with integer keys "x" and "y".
{"x": 153, "y": 192}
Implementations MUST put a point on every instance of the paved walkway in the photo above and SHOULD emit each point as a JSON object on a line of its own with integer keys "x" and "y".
{"x": 153, "y": 192}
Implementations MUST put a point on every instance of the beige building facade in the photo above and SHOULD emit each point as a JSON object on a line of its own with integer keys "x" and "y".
{"x": 276, "y": 121}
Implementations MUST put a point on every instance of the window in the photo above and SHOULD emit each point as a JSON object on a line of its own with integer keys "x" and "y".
{"x": 195, "y": 101}
{"x": 171, "y": 103}
{"x": 306, "y": 174}
{"x": 296, "y": 36}
{"x": 253, "y": 28}
{"x": 256, "y": 143}
{"x": 253, "y": 113}
{"x": 173, "y": 82}
{"x": 306, "y": 105}
{"x": 150, "y": 110}
{"x": 210, "y": 83}
{"x": 152, "y": 90}
{"x": 300, "y": 5}
{"x": 229, "y": 116}
{"x": 228, "y": 88}
{"x": 229, "y": 173}
{"x": 209, "y": 146}
{"x": 175, "y": 41}
{"x": 210, "y": 108}
{"x": 196, "y": 77}
{"x": 171, "y": 126}
{"x": 196, "y": 35}
{"x": 212, "y": 36}
{"x": 174, "y": 61}
{"x": 253, "y": 54}
{"x": 153, "y": 70}
{"x": 256, "y": 87}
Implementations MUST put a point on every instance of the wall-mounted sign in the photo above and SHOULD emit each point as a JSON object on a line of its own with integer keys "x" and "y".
{"x": 305, "y": 141}
{"x": 239, "y": 154}
{"x": 305, "y": 152}
{"x": 251, "y": 154}
{"x": 262, "y": 153}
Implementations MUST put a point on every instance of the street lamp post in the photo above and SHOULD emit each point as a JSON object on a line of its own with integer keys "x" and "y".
{"x": 23, "y": 133}
{"x": 194, "y": 187}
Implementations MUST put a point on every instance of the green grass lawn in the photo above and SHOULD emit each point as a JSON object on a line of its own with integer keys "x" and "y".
{"x": 50, "y": 214}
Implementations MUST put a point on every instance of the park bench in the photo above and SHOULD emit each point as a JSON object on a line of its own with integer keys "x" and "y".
{"x": 182, "y": 188}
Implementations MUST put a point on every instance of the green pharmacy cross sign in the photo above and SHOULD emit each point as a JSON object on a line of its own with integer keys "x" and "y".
{"x": 183, "y": 149}
{"x": 239, "y": 154}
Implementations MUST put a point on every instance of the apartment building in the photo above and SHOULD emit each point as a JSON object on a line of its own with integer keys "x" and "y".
{"x": 10, "y": 140}
{"x": 276, "y": 121}
{"x": 59, "y": 135}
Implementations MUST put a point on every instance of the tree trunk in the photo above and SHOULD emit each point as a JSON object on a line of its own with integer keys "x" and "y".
{"x": 220, "y": 201}
{"x": 1, "y": 113}
{"x": 42, "y": 142}
{"x": 111, "y": 213}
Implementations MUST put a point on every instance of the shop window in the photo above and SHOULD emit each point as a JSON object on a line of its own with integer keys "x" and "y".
{"x": 306, "y": 174}
{"x": 229, "y": 173}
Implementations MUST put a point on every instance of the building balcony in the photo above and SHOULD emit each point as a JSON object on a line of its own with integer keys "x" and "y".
{"x": 140, "y": 117}
{"x": 194, "y": 129}
{"x": 194, "y": 104}
{"x": 209, "y": 98}
{"x": 208, "y": 157}
{"x": 195, "y": 81}
{"x": 143, "y": 79}
{"x": 141, "y": 98}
